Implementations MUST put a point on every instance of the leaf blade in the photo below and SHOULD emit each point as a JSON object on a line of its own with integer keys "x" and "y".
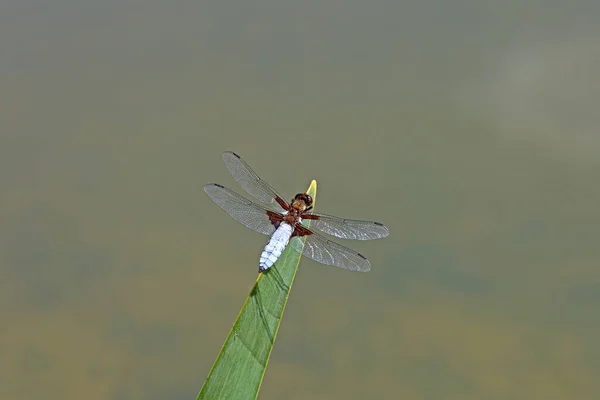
{"x": 241, "y": 364}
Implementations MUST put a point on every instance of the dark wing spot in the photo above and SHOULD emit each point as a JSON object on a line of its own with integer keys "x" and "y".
{"x": 363, "y": 257}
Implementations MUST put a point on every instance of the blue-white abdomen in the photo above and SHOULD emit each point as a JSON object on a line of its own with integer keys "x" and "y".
{"x": 275, "y": 247}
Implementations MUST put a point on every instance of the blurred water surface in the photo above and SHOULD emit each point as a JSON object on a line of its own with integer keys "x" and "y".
{"x": 471, "y": 129}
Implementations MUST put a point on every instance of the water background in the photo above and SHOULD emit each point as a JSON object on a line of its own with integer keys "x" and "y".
{"x": 470, "y": 128}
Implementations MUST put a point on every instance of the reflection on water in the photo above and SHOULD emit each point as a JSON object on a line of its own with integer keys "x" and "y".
{"x": 120, "y": 280}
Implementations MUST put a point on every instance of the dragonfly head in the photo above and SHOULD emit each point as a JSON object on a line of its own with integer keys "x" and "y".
{"x": 305, "y": 198}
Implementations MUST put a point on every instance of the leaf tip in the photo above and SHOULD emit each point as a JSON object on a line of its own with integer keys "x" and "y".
{"x": 313, "y": 187}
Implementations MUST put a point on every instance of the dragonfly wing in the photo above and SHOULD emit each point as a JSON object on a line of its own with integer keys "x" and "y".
{"x": 250, "y": 181}
{"x": 327, "y": 252}
{"x": 348, "y": 228}
{"x": 241, "y": 209}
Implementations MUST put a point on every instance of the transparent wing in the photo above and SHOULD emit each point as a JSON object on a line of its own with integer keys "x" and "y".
{"x": 348, "y": 228}
{"x": 327, "y": 252}
{"x": 250, "y": 181}
{"x": 241, "y": 209}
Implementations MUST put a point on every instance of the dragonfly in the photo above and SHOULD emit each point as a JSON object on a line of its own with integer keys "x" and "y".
{"x": 285, "y": 222}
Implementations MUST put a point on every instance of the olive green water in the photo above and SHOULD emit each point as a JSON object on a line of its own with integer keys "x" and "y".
{"x": 470, "y": 129}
